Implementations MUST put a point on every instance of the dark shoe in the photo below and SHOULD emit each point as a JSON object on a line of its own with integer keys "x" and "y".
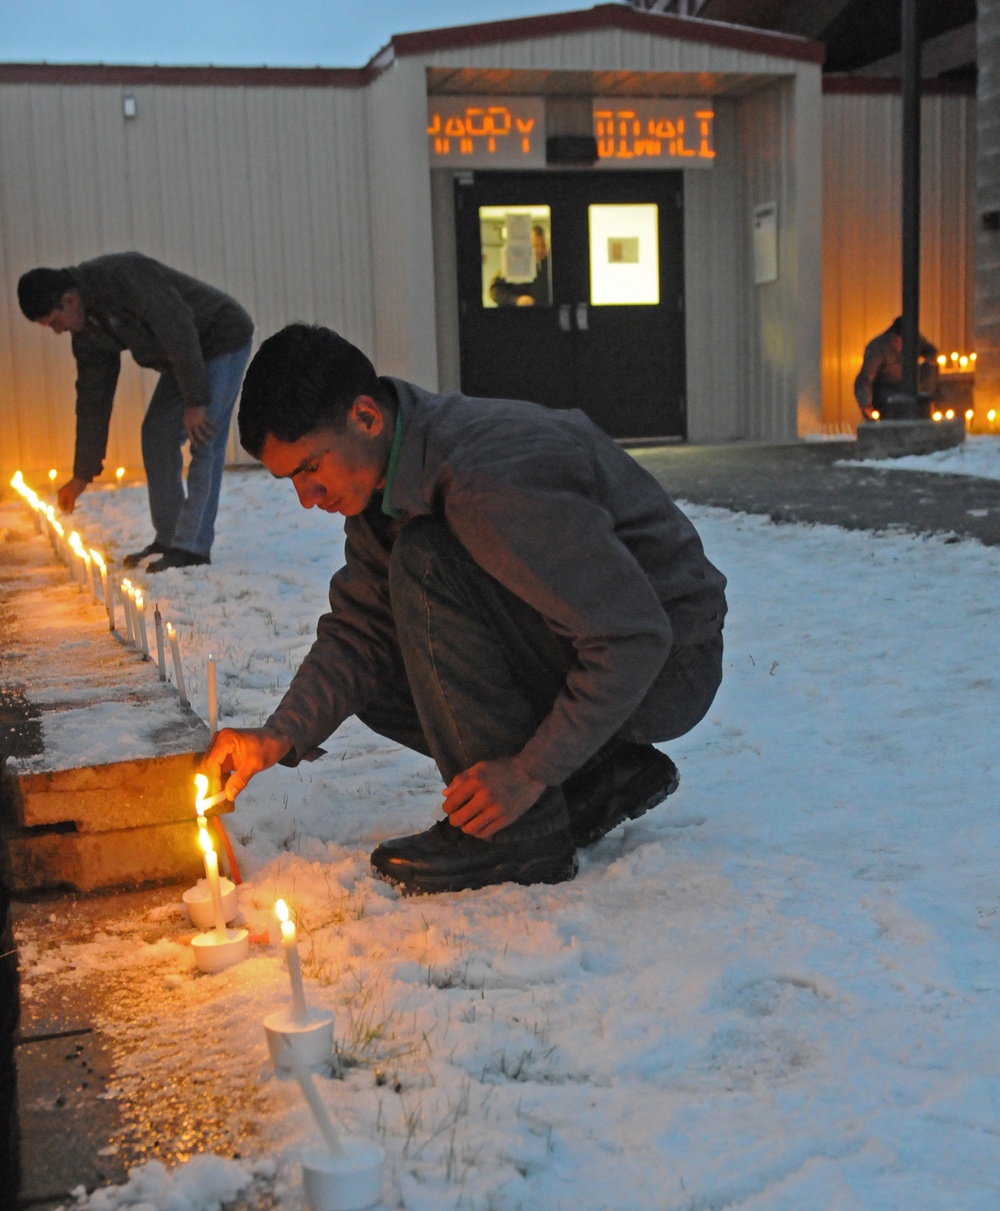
{"x": 445, "y": 859}
{"x": 136, "y": 557}
{"x": 177, "y": 557}
{"x": 631, "y": 780}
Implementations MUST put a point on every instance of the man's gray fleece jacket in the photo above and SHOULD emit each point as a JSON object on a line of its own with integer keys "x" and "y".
{"x": 554, "y": 510}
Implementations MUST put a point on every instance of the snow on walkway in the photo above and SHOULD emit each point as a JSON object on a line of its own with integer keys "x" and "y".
{"x": 979, "y": 455}
{"x": 777, "y": 992}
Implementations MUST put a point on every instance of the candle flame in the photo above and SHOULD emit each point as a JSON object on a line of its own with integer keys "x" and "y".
{"x": 170, "y": 630}
{"x": 205, "y": 841}
{"x": 96, "y": 557}
{"x": 201, "y": 789}
{"x": 56, "y": 524}
{"x": 120, "y": 473}
{"x": 17, "y": 481}
{"x": 138, "y": 600}
{"x": 281, "y": 909}
{"x": 52, "y": 474}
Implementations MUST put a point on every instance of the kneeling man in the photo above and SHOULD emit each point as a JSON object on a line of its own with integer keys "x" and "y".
{"x": 521, "y": 601}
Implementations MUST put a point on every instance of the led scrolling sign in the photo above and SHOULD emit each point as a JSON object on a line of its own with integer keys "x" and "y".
{"x": 632, "y": 132}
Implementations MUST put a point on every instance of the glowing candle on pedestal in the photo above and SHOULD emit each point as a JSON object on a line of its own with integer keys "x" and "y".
{"x": 175, "y": 652}
{"x": 140, "y": 613}
{"x": 290, "y": 943}
{"x": 323, "y": 1121}
{"x": 61, "y": 549}
{"x": 84, "y": 555}
{"x": 109, "y": 601}
{"x": 213, "y": 698}
{"x": 212, "y": 875}
{"x": 161, "y": 660}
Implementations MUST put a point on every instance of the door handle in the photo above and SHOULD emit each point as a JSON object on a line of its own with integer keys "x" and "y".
{"x": 582, "y": 322}
{"x": 565, "y": 317}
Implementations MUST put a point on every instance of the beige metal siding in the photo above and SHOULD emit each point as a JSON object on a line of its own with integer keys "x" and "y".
{"x": 862, "y": 287}
{"x": 261, "y": 191}
{"x": 399, "y": 168}
{"x": 779, "y": 159}
{"x": 714, "y": 276}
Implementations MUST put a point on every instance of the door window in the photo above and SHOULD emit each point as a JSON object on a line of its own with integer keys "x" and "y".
{"x": 516, "y": 247}
{"x": 624, "y": 255}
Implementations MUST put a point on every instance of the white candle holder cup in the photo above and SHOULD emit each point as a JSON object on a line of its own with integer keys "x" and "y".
{"x": 350, "y": 1181}
{"x": 200, "y": 907}
{"x": 213, "y": 953}
{"x": 310, "y": 1038}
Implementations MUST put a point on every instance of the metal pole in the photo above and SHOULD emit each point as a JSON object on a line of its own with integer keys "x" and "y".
{"x": 910, "y": 55}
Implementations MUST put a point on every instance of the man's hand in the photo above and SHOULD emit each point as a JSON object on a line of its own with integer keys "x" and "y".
{"x": 69, "y": 492}
{"x": 198, "y": 426}
{"x": 490, "y": 795}
{"x": 245, "y": 751}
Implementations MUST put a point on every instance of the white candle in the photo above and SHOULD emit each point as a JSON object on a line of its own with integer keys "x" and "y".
{"x": 109, "y": 598}
{"x": 76, "y": 559}
{"x": 126, "y": 607}
{"x": 90, "y": 576}
{"x": 213, "y": 698}
{"x": 290, "y": 943}
{"x": 140, "y": 613}
{"x": 212, "y": 875}
{"x": 161, "y": 660}
{"x": 175, "y": 652}
{"x": 328, "y": 1131}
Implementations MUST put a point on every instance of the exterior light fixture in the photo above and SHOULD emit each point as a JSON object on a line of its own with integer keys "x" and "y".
{"x": 128, "y": 105}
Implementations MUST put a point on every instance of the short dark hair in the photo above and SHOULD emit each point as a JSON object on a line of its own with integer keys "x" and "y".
{"x": 305, "y": 377}
{"x": 40, "y": 291}
{"x": 897, "y": 326}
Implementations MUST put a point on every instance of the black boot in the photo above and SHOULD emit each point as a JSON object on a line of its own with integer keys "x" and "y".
{"x": 624, "y": 785}
{"x": 446, "y": 859}
{"x": 136, "y": 557}
{"x": 177, "y": 557}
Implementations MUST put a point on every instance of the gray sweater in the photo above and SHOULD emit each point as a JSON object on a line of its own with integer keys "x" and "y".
{"x": 554, "y": 510}
{"x": 167, "y": 320}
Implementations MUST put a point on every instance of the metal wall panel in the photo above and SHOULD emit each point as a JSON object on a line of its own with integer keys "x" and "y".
{"x": 862, "y": 203}
{"x": 261, "y": 191}
{"x": 714, "y": 273}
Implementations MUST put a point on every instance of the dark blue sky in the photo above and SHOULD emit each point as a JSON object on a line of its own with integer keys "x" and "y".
{"x": 331, "y": 33}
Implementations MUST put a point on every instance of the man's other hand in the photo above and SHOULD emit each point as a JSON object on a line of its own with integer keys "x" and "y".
{"x": 198, "y": 427}
{"x": 69, "y": 493}
{"x": 490, "y": 795}
{"x": 245, "y": 752}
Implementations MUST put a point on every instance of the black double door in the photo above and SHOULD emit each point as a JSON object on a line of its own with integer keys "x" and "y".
{"x": 604, "y": 330}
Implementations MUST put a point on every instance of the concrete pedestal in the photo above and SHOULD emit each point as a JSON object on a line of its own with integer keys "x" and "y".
{"x": 895, "y": 438}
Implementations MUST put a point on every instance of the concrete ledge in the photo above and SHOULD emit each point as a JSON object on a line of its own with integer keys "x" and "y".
{"x": 896, "y": 438}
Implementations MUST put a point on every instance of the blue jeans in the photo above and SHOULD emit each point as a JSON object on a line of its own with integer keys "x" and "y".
{"x": 187, "y": 520}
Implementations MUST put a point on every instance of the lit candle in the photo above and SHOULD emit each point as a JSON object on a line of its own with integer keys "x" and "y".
{"x": 76, "y": 559}
{"x": 212, "y": 875}
{"x": 127, "y": 608}
{"x": 175, "y": 652}
{"x": 59, "y": 543}
{"x": 328, "y": 1131}
{"x": 203, "y": 802}
{"x": 290, "y": 943}
{"x": 213, "y": 698}
{"x": 120, "y": 475}
{"x": 109, "y": 600}
{"x": 52, "y": 476}
{"x": 85, "y": 556}
{"x": 161, "y": 660}
{"x": 140, "y": 613}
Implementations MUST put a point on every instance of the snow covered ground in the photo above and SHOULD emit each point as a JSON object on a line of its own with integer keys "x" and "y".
{"x": 777, "y": 992}
{"x": 978, "y": 455}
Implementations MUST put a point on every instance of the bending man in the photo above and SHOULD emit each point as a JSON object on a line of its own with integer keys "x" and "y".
{"x": 199, "y": 340}
{"x": 521, "y": 601}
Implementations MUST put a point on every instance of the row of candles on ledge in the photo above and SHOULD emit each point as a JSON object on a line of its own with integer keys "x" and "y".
{"x": 81, "y": 562}
{"x": 346, "y": 1173}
